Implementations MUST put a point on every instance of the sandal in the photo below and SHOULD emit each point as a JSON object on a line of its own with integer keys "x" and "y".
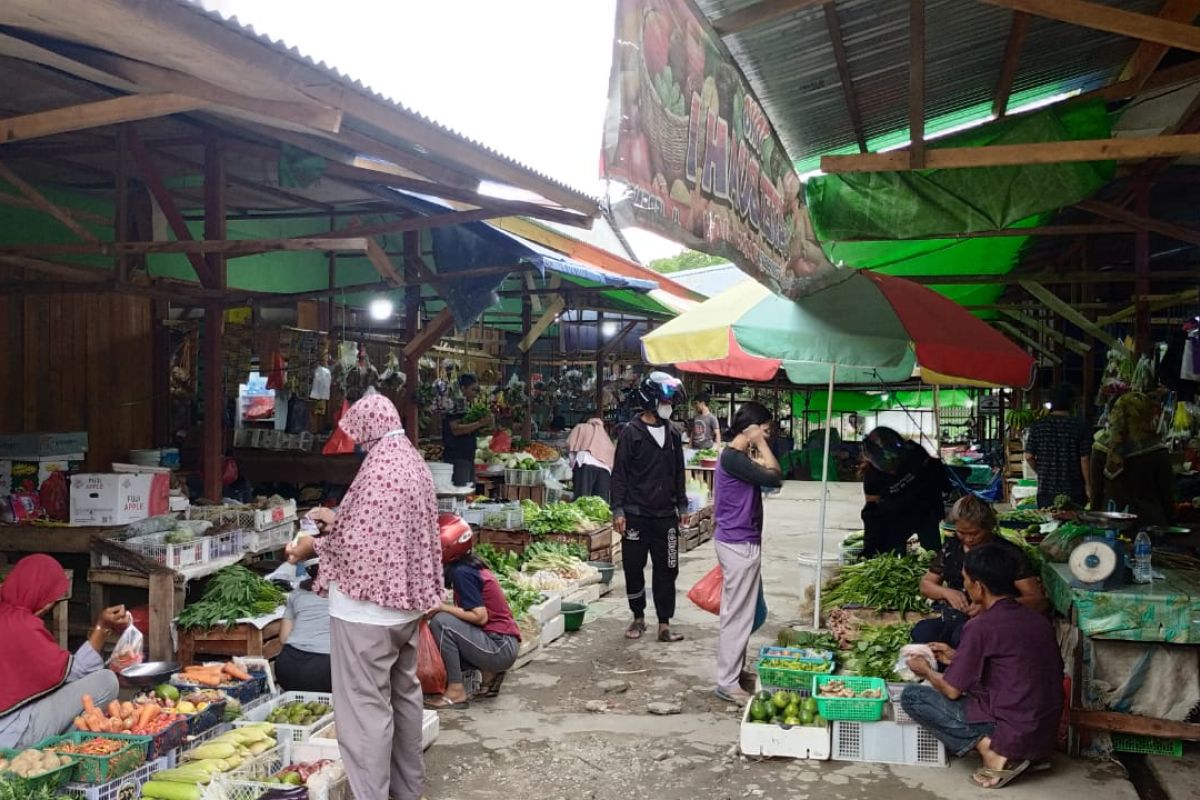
{"x": 492, "y": 687}
{"x": 1003, "y": 777}
{"x": 635, "y": 629}
{"x": 446, "y": 704}
{"x": 669, "y": 635}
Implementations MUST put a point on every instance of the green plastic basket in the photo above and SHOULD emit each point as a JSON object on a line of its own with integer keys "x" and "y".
{"x": 780, "y": 677}
{"x": 1148, "y": 745}
{"x": 101, "y": 769}
{"x": 51, "y": 780}
{"x": 858, "y": 709}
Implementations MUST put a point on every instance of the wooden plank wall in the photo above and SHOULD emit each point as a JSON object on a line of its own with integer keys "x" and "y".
{"x": 72, "y": 362}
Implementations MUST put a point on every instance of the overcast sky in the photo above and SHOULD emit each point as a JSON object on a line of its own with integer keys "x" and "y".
{"x": 527, "y": 77}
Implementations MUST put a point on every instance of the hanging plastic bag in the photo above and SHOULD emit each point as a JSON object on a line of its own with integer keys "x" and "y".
{"x": 128, "y": 650}
{"x": 431, "y": 670}
{"x": 707, "y": 591}
{"x": 760, "y": 609}
{"x": 341, "y": 442}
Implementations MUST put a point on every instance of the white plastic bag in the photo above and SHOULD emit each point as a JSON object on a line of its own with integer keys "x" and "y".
{"x": 128, "y": 650}
{"x": 908, "y": 651}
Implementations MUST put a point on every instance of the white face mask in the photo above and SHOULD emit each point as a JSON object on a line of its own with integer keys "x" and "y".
{"x": 664, "y": 410}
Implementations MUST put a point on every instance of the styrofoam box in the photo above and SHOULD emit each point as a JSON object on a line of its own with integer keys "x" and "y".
{"x": 586, "y": 595}
{"x": 554, "y": 629}
{"x": 776, "y": 741}
{"x": 117, "y": 499}
{"x": 887, "y": 742}
{"x": 548, "y": 609}
{"x": 326, "y": 739}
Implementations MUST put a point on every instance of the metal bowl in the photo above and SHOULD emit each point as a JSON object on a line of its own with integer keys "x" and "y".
{"x": 1110, "y": 520}
{"x": 150, "y": 673}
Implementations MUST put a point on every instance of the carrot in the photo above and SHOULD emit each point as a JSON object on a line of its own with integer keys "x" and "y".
{"x": 236, "y": 672}
{"x": 89, "y": 705}
{"x": 148, "y": 713}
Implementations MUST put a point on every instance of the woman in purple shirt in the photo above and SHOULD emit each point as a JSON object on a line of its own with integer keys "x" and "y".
{"x": 1001, "y": 694}
{"x": 746, "y": 467}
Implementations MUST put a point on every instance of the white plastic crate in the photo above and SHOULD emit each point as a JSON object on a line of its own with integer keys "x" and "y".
{"x": 524, "y": 477}
{"x": 254, "y": 519}
{"x": 291, "y": 733}
{"x": 898, "y": 712}
{"x": 273, "y": 538}
{"x": 211, "y": 733}
{"x": 548, "y": 609}
{"x": 224, "y": 545}
{"x": 430, "y": 728}
{"x": 126, "y": 787}
{"x": 177, "y": 555}
{"x": 887, "y": 742}
{"x": 451, "y": 505}
{"x": 505, "y": 516}
{"x": 775, "y": 741}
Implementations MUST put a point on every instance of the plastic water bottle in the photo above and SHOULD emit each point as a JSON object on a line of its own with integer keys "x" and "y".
{"x": 1142, "y": 572}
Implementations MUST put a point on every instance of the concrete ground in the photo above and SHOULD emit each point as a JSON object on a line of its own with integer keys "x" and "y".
{"x": 538, "y": 739}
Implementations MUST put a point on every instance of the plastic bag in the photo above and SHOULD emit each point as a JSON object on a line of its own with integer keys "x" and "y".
{"x": 707, "y": 591}
{"x": 908, "y": 651}
{"x": 128, "y": 650}
{"x": 431, "y": 670}
{"x": 341, "y": 442}
{"x": 1057, "y": 546}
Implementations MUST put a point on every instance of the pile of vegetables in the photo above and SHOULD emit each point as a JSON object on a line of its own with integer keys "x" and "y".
{"x": 147, "y": 719}
{"x": 594, "y": 508}
{"x": 299, "y": 713}
{"x": 707, "y": 454}
{"x": 874, "y": 653}
{"x": 582, "y": 516}
{"x": 520, "y": 598}
{"x": 476, "y": 411}
{"x": 817, "y": 640}
{"x": 32, "y": 763}
{"x": 794, "y": 665}
{"x": 558, "y": 561}
{"x": 99, "y": 746}
{"x": 233, "y": 593}
{"x": 784, "y": 708}
{"x": 1020, "y": 517}
{"x": 886, "y": 583}
{"x": 222, "y": 754}
{"x": 840, "y": 690}
{"x": 213, "y": 675}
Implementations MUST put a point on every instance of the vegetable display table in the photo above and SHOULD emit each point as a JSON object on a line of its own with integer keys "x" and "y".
{"x": 58, "y": 616}
{"x": 599, "y": 542}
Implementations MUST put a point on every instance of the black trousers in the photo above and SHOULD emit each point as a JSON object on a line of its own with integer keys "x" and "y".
{"x": 656, "y": 538}
{"x": 891, "y": 534}
{"x": 589, "y": 480}
{"x": 301, "y": 671}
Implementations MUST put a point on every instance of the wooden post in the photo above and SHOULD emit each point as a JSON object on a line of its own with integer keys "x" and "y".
{"x": 599, "y": 365}
{"x": 526, "y": 363}
{"x": 162, "y": 611}
{"x": 1089, "y": 358}
{"x": 412, "y": 311}
{"x": 213, "y": 447}
{"x": 1141, "y": 260}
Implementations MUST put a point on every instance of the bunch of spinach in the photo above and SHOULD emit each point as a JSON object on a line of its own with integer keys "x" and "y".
{"x": 885, "y": 582}
{"x": 233, "y": 593}
{"x": 875, "y": 651}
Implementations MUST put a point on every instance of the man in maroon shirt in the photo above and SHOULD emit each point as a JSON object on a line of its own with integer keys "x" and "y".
{"x": 1001, "y": 694}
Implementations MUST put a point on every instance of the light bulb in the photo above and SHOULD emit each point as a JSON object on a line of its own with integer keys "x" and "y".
{"x": 381, "y": 308}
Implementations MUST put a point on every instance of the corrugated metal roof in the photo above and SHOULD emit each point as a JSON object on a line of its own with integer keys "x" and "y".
{"x": 790, "y": 64}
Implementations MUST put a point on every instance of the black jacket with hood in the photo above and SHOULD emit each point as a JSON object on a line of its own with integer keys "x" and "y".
{"x": 648, "y": 480}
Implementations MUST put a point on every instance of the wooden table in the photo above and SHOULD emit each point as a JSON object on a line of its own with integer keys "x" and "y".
{"x": 58, "y": 615}
{"x": 241, "y": 640}
{"x": 52, "y": 539}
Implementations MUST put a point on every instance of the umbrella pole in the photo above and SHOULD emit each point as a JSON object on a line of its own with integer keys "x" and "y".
{"x": 824, "y": 497}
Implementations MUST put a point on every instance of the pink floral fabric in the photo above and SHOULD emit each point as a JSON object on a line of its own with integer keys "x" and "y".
{"x": 384, "y": 546}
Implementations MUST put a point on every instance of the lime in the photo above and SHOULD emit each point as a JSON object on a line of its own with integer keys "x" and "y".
{"x": 781, "y": 699}
{"x": 810, "y": 704}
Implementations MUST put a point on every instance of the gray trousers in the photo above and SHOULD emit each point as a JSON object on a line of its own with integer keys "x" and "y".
{"x": 741, "y": 571}
{"x": 465, "y": 646}
{"x": 380, "y": 708}
{"x": 53, "y": 714}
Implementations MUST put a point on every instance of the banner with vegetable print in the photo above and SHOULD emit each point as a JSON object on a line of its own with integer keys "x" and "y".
{"x": 698, "y": 157}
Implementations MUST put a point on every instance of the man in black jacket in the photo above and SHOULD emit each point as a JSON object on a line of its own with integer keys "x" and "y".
{"x": 649, "y": 501}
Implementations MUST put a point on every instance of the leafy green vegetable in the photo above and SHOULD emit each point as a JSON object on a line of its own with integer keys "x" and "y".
{"x": 875, "y": 651}
{"x": 477, "y": 411}
{"x": 500, "y": 562}
{"x": 594, "y": 508}
{"x": 520, "y": 599}
{"x": 556, "y": 518}
{"x": 559, "y": 549}
{"x": 885, "y": 582}
{"x": 232, "y": 593}
{"x": 818, "y": 640}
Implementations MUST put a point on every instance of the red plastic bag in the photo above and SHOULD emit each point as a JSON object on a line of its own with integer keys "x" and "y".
{"x": 707, "y": 591}
{"x": 340, "y": 443}
{"x": 431, "y": 670}
{"x": 229, "y": 473}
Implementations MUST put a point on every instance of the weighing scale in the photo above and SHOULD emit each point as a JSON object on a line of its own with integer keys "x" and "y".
{"x": 1098, "y": 563}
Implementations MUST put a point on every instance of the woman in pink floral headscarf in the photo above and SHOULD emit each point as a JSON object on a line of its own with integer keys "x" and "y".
{"x": 381, "y": 567}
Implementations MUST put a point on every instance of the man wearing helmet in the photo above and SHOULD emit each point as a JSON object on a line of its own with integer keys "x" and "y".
{"x": 649, "y": 500}
{"x": 903, "y": 488}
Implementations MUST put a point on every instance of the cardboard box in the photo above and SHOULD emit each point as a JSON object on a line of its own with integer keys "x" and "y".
{"x": 32, "y": 446}
{"x": 118, "y": 499}
{"x": 28, "y": 474}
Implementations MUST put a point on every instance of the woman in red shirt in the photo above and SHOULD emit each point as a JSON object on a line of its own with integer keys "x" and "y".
{"x": 477, "y": 630}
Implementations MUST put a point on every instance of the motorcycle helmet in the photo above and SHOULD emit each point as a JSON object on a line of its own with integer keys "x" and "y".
{"x": 456, "y": 535}
{"x": 659, "y": 387}
{"x": 885, "y": 450}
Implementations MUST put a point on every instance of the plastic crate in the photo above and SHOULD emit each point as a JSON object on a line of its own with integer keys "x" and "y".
{"x": 503, "y": 516}
{"x": 124, "y": 788}
{"x": 160, "y": 744}
{"x": 801, "y": 679}
{"x": 273, "y": 538}
{"x": 49, "y": 780}
{"x": 253, "y": 519}
{"x": 451, "y": 505}
{"x": 768, "y": 740}
{"x": 293, "y": 733}
{"x": 887, "y": 743}
{"x": 860, "y": 709}
{"x": 177, "y": 555}
{"x": 242, "y": 691}
{"x": 524, "y": 477}
{"x": 207, "y": 719}
{"x": 224, "y": 545}
{"x": 100, "y": 769}
{"x": 211, "y": 733}
{"x": 431, "y": 727}
{"x": 236, "y": 789}
{"x": 898, "y": 712}
{"x": 1148, "y": 745}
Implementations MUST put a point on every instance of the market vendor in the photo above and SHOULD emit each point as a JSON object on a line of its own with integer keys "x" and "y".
{"x": 303, "y": 665}
{"x": 1001, "y": 694}
{"x": 458, "y": 435}
{"x": 706, "y": 431}
{"x": 974, "y": 526}
{"x": 1057, "y": 448}
{"x": 477, "y": 630}
{"x": 1130, "y": 465}
{"x": 42, "y": 686}
{"x": 902, "y": 485}
{"x": 591, "y": 452}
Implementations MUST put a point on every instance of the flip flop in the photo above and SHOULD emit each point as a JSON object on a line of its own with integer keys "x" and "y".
{"x": 635, "y": 630}
{"x": 1003, "y": 777}
{"x": 669, "y": 636}
{"x": 492, "y": 688}
{"x": 446, "y": 704}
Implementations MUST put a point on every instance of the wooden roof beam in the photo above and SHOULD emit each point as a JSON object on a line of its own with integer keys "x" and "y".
{"x": 1110, "y": 19}
{"x": 1064, "y": 310}
{"x": 15, "y": 201}
{"x": 42, "y": 203}
{"x": 760, "y": 14}
{"x": 1179, "y": 298}
{"x": 1011, "y": 330}
{"x": 1013, "y": 155}
{"x": 1162, "y": 79}
{"x": 1012, "y": 59}
{"x": 95, "y": 115}
{"x": 1145, "y": 60}
{"x": 383, "y": 265}
{"x": 916, "y": 84}
{"x": 70, "y": 272}
{"x": 1069, "y": 342}
{"x": 1118, "y": 214}
{"x": 834, "y": 25}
